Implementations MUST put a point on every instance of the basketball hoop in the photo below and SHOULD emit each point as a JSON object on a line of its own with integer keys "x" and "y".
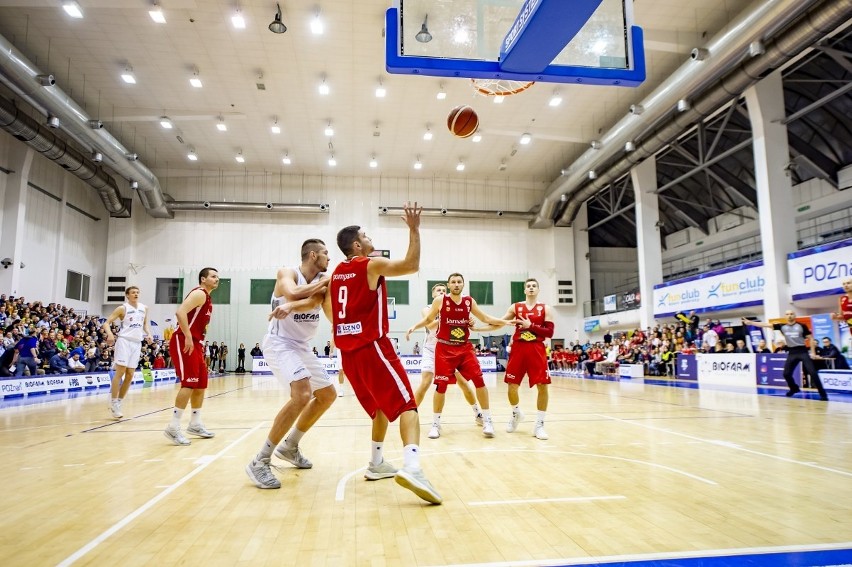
{"x": 499, "y": 87}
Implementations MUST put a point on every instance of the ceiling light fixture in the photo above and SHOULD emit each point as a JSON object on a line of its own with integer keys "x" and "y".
{"x": 238, "y": 21}
{"x": 418, "y": 164}
{"x": 380, "y": 90}
{"x": 127, "y": 76}
{"x": 286, "y": 159}
{"x": 461, "y": 36}
{"x": 593, "y": 174}
{"x": 329, "y": 131}
{"x": 476, "y": 138}
{"x": 195, "y": 80}
{"x": 192, "y": 156}
{"x": 239, "y": 157}
{"x": 526, "y": 139}
{"x": 556, "y": 99}
{"x": 221, "y": 126}
{"x": 156, "y": 13}
{"x": 373, "y": 163}
{"x": 498, "y": 99}
{"x": 72, "y": 9}
{"x": 427, "y": 135}
{"x": 277, "y": 26}
{"x": 423, "y": 36}
{"x": 323, "y": 88}
{"x": 596, "y": 144}
{"x": 442, "y": 94}
{"x": 317, "y": 27}
{"x": 276, "y": 129}
{"x": 460, "y": 166}
{"x": 166, "y": 122}
{"x": 629, "y": 146}
{"x": 331, "y": 161}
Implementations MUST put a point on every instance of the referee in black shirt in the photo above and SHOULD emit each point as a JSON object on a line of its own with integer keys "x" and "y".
{"x": 795, "y": 335}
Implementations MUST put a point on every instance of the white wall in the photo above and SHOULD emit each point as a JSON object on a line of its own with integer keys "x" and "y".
{"x": 56, "y": 237}
{"x": 243, "y": 246}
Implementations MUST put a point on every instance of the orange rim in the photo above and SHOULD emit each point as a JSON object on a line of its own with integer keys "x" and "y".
{"x": 499, "y": 87}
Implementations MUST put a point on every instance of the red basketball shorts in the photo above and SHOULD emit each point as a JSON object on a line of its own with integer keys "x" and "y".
{"x": 527, "y": 358}
{"x": 379, "y": 379}
{"x": 190, "y": 368}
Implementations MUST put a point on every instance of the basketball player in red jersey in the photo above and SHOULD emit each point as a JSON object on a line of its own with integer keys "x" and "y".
{"x": 535, "y": 324}
{"x": 454, "y": 351}
{"x": 358, "y": 302}
{"x": 187, "y": 351}
{"x": 845, "y": 302}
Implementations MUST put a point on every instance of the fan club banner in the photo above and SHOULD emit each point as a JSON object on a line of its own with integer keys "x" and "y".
{"x": 740, "y": 286}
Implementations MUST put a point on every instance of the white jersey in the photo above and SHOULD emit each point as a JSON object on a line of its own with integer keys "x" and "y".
{"x": 431, "y": 334}
{"x": 299, "y": 327}
{"x": 132, "y": 326}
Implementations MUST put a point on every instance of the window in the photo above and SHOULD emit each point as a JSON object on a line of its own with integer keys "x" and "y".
{"x": 261, "y": 292}
{"x": 429, "y": 285}
{"x": 518, "y": 292}
{"x": 398, "y": 289}
{"x": 77, "y": 286}
{"x": 169, "y": 290}
{"x": 482, "y": 292}
{"x": 222, "y": 294}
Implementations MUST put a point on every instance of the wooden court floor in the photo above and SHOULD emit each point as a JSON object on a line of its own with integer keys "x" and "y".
{"x": 630, "y": 470}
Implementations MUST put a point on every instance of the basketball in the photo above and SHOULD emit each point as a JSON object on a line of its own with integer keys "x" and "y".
{"x": 463, "y": 121}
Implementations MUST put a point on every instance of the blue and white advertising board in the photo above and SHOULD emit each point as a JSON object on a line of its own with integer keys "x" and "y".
{"x": 817, "y": 271}
{"x": 740, "y": 286}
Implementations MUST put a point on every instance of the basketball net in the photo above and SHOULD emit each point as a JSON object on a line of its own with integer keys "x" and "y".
{"x": 499, "y": 87}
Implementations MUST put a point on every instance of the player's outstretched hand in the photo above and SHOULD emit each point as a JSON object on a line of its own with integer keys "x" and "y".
{"x": 412, "y": 215}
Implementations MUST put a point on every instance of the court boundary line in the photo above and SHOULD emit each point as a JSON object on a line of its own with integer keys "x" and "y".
{"x": 666, "y": 555}
{"x": 118, "y": 526}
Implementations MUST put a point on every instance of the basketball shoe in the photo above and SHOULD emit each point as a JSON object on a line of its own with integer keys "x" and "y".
{"x": 261, "y": 474}
{"x": 380, "y": 471}
{"x": 293, "y": 456}
{"x": 517, "y": 416}
{"x": 415, "y": 481}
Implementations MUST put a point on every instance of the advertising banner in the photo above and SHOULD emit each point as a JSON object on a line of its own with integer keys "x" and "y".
{"x": 12, "y": 388}
{"x": 726, "y": 369}
{"x": 592, "y": 325}
{"x": 840, "y": 380}
{"x": 632, "y": 299}
{"x": 686, "y": 367}
{"x": 770, "y": 370}
{"x": 740, "y": 286}
{"x": 610, "y": 303}
{"x": 822, "y": 325}
{"x": 818, "y": 271}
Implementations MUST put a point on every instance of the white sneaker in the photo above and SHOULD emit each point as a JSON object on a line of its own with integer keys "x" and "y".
{"x": 175, "y": 436}
{"x": 435, "y": 432}
{"x": 517, "y": 416}
{"x": 293, "y": 456}
{"x": 380, "y": 471}
{"x": 488, "y": 428}
{"x": 199, "y": 430}
{"x": 540, "y": 433}
{"x": 415, "y": 481}
{"x": 478, "y": 419}
{"x": 340, "y": 392}
{"x": 261, "y": 475}
{"x": 115, "y": 409}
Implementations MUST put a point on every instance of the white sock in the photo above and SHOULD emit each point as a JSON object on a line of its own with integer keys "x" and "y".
{"x": 540, "y": 420}
{"x": 266, "y": 451}
{"x": 516, "y": 408}
{"x": 177, "y": 413}
{"x": 486, "y": 413}
{"x": 377, "y": 457}
{"x": 293, "y": 439}
{"x": 436, "y": 419}
{"x": 411, "y": 457}
{"x": 195, "y": 418}
{"x": 476, "y": 410}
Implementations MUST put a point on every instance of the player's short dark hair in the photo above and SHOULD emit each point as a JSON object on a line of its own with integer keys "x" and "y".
{"x": 439, "y": 284}
{"x": 530, "y": 280}
{"x": 205, "y": 272}
{"x": 347, "y": 237}
{"x": 311, "y": 245}
{"x": 454, "y": 274}
{"x": 129, "y": 289}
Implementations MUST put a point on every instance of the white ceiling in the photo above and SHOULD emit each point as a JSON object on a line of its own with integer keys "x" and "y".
{"x": 87, "y": 56}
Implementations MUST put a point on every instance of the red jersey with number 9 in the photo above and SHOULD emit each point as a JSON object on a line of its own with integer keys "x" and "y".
{"x": 359, "y": 313}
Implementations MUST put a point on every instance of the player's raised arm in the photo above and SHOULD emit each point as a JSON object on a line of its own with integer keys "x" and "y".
{"x": 411, "y": 262}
